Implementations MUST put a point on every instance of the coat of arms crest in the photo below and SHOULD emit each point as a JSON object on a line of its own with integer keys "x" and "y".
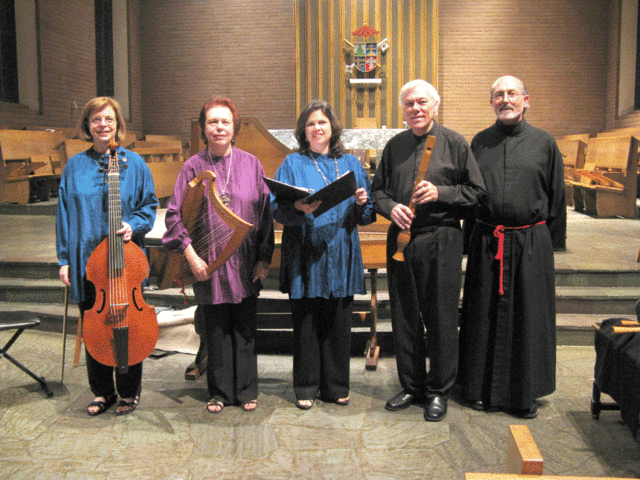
{"x": 365, "y": 49}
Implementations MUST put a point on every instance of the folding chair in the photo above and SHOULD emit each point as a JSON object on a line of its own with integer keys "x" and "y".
{"x": 20, "y": 320}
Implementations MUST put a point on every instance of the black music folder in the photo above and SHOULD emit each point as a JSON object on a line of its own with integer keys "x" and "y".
{"x": 331, "y": 195}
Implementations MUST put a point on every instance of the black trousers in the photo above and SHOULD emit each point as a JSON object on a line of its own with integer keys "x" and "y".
{"x": 321, "y": 347}
{"x": 101, "y": 377}
{"x": 424, "y": 291}
{"x": 232, "y": 362}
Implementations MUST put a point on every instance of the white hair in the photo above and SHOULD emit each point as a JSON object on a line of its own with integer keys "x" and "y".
{"x": 409, "y": 86}
{"x": 510, "y": 77}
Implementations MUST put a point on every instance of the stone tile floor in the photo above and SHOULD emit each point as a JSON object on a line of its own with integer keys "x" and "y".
{"x": 171, "y": 436}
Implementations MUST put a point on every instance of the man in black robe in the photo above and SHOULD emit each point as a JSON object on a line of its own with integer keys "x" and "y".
{"x": 424, "y": 289}
{"x": 508, "y": 325}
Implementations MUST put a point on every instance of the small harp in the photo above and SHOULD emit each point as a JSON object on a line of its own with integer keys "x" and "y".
{"x": 404, "y": 236}
{"x": 175, "y": 271}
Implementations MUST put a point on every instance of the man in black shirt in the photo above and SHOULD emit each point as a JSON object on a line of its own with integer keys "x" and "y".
{"x": 424, "y": 289}
{"x": 507, "y": 334}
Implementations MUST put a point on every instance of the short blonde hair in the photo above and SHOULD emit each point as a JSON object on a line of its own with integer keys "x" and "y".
{"x": 98, "y": 104}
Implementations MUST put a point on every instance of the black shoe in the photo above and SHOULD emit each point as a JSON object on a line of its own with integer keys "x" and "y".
{"x": 528, "y": 413}
{"x": 477, "y": 405}
{"x": 436, "y": 409}
{"x": 401, "y": 401}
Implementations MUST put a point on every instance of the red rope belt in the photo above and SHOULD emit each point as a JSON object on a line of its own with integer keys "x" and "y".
{"x": 498, "y": 232}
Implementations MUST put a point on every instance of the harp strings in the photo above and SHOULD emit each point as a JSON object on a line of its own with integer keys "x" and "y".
{"x": 209, "y": 234}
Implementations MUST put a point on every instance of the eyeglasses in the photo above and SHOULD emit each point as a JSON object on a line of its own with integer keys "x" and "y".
{"x": 110, "y": 121}
{"x": 510, "y": 96}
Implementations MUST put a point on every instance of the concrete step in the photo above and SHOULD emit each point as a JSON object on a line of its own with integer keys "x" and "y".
{"x": 597, "y": 300}
{"x": 569, "y": 300}
{"x": 564, "y": 277}
{"x": 275, "y": 331}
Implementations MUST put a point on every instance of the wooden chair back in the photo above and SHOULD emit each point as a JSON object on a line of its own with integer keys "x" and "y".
{"x": 613, "y": 153}
{"x": 578, "y": 136}
{"x": 257, "y": 140}
{"x": 163, "y": 138}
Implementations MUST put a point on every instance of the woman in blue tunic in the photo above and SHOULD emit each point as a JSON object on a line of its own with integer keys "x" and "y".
{"x": 82, "y": 223}
{"x": 321, "y": 267}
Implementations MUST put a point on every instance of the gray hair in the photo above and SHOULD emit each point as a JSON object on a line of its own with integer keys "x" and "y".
{"x": 520, "y": 83}
{"x": 431, "y": 91}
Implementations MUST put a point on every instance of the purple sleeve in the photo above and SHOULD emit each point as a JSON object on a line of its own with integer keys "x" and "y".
{"x": 176, "y": 238}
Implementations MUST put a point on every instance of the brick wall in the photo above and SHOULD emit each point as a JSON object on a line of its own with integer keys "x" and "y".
{"x": 237, "y": 48}
{"x": 613, "y": 121}
{"x": 68, "y": 66}
{"x": 557, "y": 47}
{"x": 244, "y": 49}
{"x": 183, "y": 52}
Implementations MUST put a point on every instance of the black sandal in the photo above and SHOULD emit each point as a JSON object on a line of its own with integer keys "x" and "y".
{"x": 303, "y": 406}
{"x": 125, "y": 407}
{"x": 103, "y": 406}
{"x": 250, "y": 406}
{"x": 214, "y": 403}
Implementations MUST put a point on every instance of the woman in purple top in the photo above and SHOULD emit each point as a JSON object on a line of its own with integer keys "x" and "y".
{"x": 227, "y": 297}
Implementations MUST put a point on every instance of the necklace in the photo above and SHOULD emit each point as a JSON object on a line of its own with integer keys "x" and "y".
{"x": 320, "y": 171}
{"x": 223, "y": 194}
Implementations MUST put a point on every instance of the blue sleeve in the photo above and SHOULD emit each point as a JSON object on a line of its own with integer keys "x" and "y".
{"x": 366, "y": 213}
{"x": 62, "y": 225}
{"x": 284, "y": 211}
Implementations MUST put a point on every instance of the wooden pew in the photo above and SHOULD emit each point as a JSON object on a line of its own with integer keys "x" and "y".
{"x": 620, "y": 132}
{"x": 153, "y": 152}
{"x": 164, "y": 177}
{"x": 170, "y": 138}
{"x": 164, "y": 159}
{"x": 573, "y": 156}
{"x": 70, "y": 147}
{"x": 130, "y": 137}
{"x": 69, "y": 132}
{"x": 609, "y": 177}
{"x": 162, "y": 138}
{"x": 578, "y": 136}
{"x": 29, "y": 165}
{"x": 635, "y": 131}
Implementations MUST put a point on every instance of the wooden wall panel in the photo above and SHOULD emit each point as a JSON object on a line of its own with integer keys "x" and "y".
{"x": 322, "y": 55}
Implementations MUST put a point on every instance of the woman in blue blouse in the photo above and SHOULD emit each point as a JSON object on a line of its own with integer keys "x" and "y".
{"x": 321, "y": 267}
{"x": 82, "y": 223}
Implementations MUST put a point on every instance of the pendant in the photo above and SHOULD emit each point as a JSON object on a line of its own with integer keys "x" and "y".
{"x": 225, "y": 199}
